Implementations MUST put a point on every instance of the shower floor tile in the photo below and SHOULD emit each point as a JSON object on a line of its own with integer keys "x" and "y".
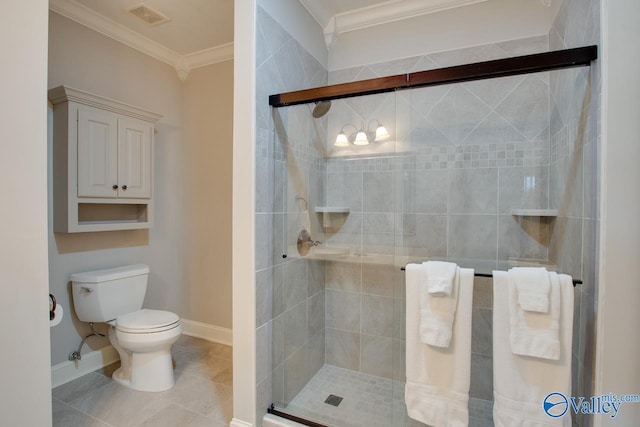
{"x": 368, "y": 401}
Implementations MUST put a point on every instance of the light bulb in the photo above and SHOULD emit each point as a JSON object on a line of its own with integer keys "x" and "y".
{"x": 341, "y": 140}
{"x": 381, "y": 133}
{"x": 361, "y": 138}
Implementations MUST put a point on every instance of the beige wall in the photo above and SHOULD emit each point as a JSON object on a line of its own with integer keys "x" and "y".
{"x": 86, "y": 60}
{"x": 208, "y": 117}
{"x": 24, "y": 330}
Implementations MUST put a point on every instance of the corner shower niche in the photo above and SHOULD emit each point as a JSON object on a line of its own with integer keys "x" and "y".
{"x": 538, "y": 225}
{"x": 102, "y": 163}
{"x": 332, "y": 215}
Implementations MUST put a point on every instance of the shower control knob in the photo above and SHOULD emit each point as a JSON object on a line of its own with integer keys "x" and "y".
{"x": 305, "y": 242}
{"x": 115, "y": 187}
{"x": 124, "y": 187}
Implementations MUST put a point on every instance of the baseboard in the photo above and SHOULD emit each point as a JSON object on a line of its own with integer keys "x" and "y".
{"x": 239, "y": 423}
{"x": 64, "y": 372}
{"x": 207, "y": 332}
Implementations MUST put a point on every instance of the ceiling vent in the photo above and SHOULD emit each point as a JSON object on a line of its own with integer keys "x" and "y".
{"x": 148, "y": 15}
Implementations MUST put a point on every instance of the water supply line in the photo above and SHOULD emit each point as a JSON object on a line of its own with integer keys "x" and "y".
{"x": 77, "y": 355}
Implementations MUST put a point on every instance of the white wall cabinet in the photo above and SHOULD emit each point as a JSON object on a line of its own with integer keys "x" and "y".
{"x": 114, "y": 155}
{"x": 102, "y": 163}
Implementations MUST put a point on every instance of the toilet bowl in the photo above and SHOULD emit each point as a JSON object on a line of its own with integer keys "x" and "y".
{"x": 143, "y": 340}
{"x": 142, "y": 337}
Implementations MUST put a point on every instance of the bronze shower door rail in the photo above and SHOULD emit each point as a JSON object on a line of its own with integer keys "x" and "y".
{"x": 535, "y": 63}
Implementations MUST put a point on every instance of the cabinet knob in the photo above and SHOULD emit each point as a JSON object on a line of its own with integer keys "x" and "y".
{"x": 124, "y": 187}
{"x": 115, "y": 187}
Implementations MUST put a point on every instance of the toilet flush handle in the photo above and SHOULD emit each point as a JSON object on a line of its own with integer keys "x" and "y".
{"x": 87, "y": 290}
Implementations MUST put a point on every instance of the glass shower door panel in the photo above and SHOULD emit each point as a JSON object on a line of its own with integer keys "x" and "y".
{"x": 334, "y": 296}
{"x": 478, "y": 155}
{"x": 360, "y": 286}
{"x": 292, "y": 296}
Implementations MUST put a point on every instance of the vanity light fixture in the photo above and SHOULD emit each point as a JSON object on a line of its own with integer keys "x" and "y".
{"x": 381, "y": 133}
{"x": 361, "y": 136}
{"x": 341, "y": 140}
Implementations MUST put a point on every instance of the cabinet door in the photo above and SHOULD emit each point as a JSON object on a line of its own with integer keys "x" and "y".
{"x": 134, "y": 159}
{"x": 97, "y": 153}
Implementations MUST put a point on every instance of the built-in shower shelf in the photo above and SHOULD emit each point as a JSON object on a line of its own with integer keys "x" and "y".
{"x": 327, "y": 211}
{"x": 333, "y": 209}
{"x": 535, "y": 212}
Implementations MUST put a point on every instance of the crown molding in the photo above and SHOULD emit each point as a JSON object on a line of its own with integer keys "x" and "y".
{"x": 377, "y": 14}
{"x": 209, "y": 56}
{"x": 182, "y": 63}
{"x": 62, "y": 94}
{"x": 100, "y": 23}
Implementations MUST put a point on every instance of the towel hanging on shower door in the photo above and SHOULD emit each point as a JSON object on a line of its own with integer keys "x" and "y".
{"x": 521, "y": 383}
{"x": 438, "y": 378}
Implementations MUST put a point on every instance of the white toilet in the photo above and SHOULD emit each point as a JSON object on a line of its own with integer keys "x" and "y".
{"x": 142, "y": 337}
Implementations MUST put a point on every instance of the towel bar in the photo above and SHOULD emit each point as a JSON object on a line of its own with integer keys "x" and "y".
{"x": 575, "y": 281}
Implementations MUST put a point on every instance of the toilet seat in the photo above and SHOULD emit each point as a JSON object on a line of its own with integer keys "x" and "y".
{"x": 147, "y": 321}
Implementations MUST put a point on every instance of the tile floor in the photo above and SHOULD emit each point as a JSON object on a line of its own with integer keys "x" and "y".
{"x": 368, "y": 401}
{"x": 202, "y": 396}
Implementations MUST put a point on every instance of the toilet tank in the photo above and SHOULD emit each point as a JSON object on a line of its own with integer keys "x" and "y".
{"x": 103, "y": 295}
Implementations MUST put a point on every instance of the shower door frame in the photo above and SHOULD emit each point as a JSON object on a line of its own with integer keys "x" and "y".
{"x": 526, "y": 64}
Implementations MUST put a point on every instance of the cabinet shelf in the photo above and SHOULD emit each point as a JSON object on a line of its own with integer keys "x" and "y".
{"x": 104, "y": 217}
{"x": 91, "y": 227}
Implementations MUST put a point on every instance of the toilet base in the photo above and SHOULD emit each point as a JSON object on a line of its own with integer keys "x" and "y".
{"x": 147, "y": 372}
{"x": 150, "y": 370}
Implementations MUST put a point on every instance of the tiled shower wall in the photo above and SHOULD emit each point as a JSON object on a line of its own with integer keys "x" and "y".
{"x": 574, "y": 179}
{"x": 289, "y": 177}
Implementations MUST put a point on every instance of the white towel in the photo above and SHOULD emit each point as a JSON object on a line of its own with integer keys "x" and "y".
{"x": 437, "y": 388}
{"x": 437, "y": 312}
{"x": 535, "y": 334}
{"x": 533, "y": 288}
{"x": 440, "y": 277}
{"x": 520, "y": 384}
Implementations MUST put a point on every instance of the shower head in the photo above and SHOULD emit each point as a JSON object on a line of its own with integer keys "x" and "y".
{"x": 321, "y": 108}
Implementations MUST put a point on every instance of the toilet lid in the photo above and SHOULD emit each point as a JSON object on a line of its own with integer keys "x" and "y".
{"x": 147, "y": 321}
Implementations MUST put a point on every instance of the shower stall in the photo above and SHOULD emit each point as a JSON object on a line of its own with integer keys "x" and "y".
{"x": 488, "y": 173}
